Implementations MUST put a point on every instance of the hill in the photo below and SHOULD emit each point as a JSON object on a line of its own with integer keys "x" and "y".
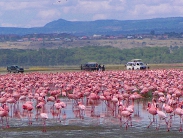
{"x": 159, "y": 25}
{"x": 104, "y": 27}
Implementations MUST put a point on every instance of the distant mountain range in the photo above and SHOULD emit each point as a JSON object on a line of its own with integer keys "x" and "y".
{"x": 103, "y": 27}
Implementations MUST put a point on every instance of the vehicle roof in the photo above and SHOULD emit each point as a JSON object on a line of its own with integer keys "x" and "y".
{"x": 139, "y": 62}
{"x": 136, "y": 60}
{"x": 91, "y": 63}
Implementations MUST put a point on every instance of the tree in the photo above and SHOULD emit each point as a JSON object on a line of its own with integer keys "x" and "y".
{"x": 152, "y": 33}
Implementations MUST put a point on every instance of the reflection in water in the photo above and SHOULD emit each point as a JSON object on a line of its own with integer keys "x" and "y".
{"x": 100, "y": 114}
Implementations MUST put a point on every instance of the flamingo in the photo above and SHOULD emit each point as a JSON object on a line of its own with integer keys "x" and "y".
{"x": 40, "y": 108}
{"x": 114, "y": 100}
{"x": 22, "y": 98}
{"x": 153, "y": 111}
{"x": 169, "y": 110}
{"x": 82, "y": 108}
{"x": 58, "y": 107}
{"x": 178, "y": 111}
{"x": 125, "y": 114}
{"x": 4, "y": 113}
{"x": 162, "y": 116}
{"x": 51, "y": 99}
{"x": 117, "y": 88}
{"x": 2, "y": 100}
{"x": 44, "y": 117}
{"x": 29, "y": 107}
{"x": 11, "y": 101}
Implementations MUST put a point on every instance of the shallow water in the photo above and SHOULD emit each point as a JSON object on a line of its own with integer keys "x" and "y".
{"x": 101, "y": 123}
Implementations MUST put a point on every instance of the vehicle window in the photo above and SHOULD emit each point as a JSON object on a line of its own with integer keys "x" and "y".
{"x": 130, "y": 64}
{"x": 92, "y": 65}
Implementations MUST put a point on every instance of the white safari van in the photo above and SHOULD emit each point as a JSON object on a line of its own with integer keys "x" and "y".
{"x": 136, "y": 64}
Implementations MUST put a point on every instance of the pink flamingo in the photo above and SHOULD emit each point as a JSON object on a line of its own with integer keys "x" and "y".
{"x": 44, "y": 117}
{"x": 22, "y": 98}
{"x": 169, "y": 110}
{"x": 125, "y": 114}
{"x": 2, "y": 99}
{"x": 51, "y": 99}
{"x": 11, "y": 101}
{"x": 82, "y": 108}
{"x": 162, "y": 116}
{"x": 58, "y": 107}
{"x": 178, "y": 111}
{"x": 114, "y": 87}
{"x": 4, "y": 113}
{"x": 153, "y": 111}
{"x": 40, "y": 108}
{"x": 29, "y": 107}
{"x": 114, "y": 100}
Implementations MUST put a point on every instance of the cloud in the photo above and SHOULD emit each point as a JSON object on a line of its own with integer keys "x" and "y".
{"x": 158, "y": 8}
{"x": 14, "y": 5}
{"x": 8, "y": 25}
{"x": 95, "y": 9}
{"x": 39, "y": 12}
{"x": 47, "y": 14}
{"x": 99, "y": 16}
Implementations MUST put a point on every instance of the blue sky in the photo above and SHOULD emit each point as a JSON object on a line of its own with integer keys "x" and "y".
{"x": 36, "y": 13}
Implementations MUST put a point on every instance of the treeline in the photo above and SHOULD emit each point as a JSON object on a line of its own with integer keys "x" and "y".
{"x": 77, "y": 56}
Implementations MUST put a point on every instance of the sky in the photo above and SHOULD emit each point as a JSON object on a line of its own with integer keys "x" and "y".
{"x": 37, "y": 13}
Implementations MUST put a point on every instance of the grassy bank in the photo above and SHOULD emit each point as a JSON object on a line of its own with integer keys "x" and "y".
{"x": 107, "y": 67}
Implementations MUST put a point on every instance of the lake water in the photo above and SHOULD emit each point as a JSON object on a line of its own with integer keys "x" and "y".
{"x": 101, "y": 123}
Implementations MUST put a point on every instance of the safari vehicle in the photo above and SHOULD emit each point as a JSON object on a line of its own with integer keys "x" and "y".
{"x": 91, "y": 66}
{"x": 136, "y": 64}
{"x": 15, "y": 69}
